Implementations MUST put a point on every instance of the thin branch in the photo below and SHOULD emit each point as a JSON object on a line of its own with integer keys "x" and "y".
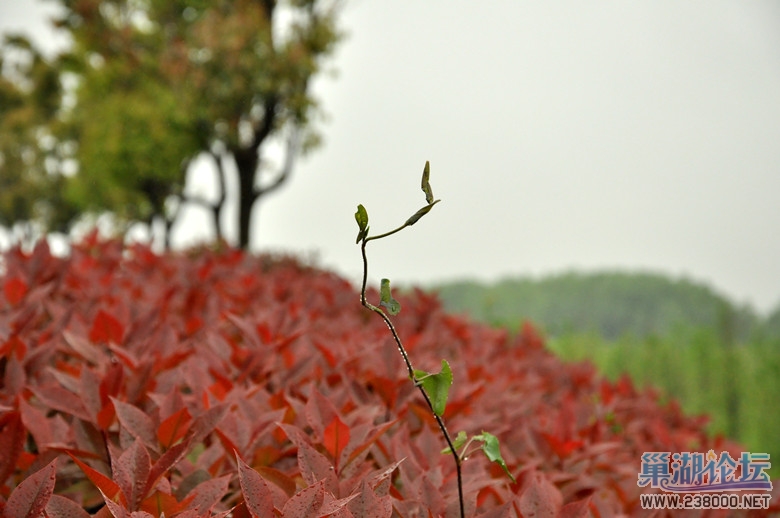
{"x": 289, "y": 161}
{"x": 266, "y": 124}
{"x": 408, "y": 363}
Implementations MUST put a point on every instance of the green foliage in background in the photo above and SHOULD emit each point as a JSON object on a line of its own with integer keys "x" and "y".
{"x": 146, "y": 87}
{"x": 681, "y": 338}
{"x": 610, "y": 304}
{"x": 737, "y": 387}
{"x": 29, "y": 95}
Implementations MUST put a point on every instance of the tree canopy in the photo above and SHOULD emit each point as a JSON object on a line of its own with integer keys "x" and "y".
{"x": 29, "y": 93}
{"x": 149, "y": 85}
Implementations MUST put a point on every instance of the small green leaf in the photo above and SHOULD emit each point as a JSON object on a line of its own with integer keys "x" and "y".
{"x": 361, "y": 216}
{"x": 426, "y": 185}
{"x": 420, "y": 213}
{"x": 492, "y": 450}
{"x": 386, "y": 298}
{"x": 437, "y": 386}
{"x": 459, "y": 441}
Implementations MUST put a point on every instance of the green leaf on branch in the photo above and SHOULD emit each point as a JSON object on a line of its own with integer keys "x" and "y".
{"x": 420, "y": 213}
{"x": 386, "y": 298}
{"x": 361, "y": 216}
{"x": 437, "y": 386}
{"x": 492, "y": 450}
{"x": 459, "y": 441}
{"x": 426, "y": 185}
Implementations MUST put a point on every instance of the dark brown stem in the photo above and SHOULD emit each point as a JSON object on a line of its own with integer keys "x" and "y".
{"x": 409, "y": 367}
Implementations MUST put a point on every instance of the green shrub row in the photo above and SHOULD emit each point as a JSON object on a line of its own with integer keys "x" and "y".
{"x": 738, "y": 386}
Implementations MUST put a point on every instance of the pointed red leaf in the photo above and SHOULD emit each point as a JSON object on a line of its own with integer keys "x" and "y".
{"x": 326, "y": 352}
{"x": 377, "y": 433}
{"x": 108, "y": 488}
{"x": 205, "y": 423}
{"x": 206, "y": 494}
{"x": 61, "y": 399}
{"x": 336, "y": 508}
{"x": 12, "y": 437}
{"x": 14, "y": 346}
{"x": 319, "y": 412}
{"x": 137, "y": 422}
{"x": 29, "y": 499}
{"x": 117, "y": 509}
{"x": 367, "y": 504}
{"x": 174, "y": 427}
{"x": 578, "y": 509}
{"x": 306, "y": 502}
{"x": 279, "y": 479}
{"x": 562, "y": 448}
{"x": 162, "y": 504}
{"x": 380, "y": 476}
{"x": 540, "y": 497}
{"x": 62, "y": 507}
{"x": 314, "y": 466}
{"x": 166, "y": 461}
{"x": 14, "y": 289}
{"x": 131, "y": 472}
{"x": 37, "y": 424}
{"x": 84, "y": 348}
{"x": 335, "y": 439}
{"x": 106, "y": 328}
{"x": 257, "y": 495}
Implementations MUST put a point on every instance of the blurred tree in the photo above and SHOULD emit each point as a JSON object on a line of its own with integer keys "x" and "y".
{"x": 153, "y": 84}
{"x": 29, "y": 94}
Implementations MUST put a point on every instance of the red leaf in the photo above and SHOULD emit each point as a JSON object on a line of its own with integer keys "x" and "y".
{"x": 14, "y": 289}
{"x": 108, "y": 488}
{"x": 174, "y": 427}
{"x": 367, "y": 504}
{"x": 205, "y": 423}
{"x": 14, "y": 346}
{"x": 106, "y": 328}
{"x": 161, "y": 504}
{"x": 135, "y": 421}
{"x": 257, "y": 495}
{"x": 37, "y": 424}
{"x": 279, "y": 479}
{"x": 578, "y": 509}
{"x": 166, "y": 461}
{"x": 61, "y": 507}
{"x": 562, "y": 448}
{"x": 131, "y": 472}
{"x": 306, "y": 502}
{"x": 206, "y": 494}
{"x": 117, "y": 510}
{"x": 110, "y": 385}
{"x": 540, "y": 497}
{"x": 319, "y": 411}
{"x": 314, "y": 466}
{"x": 326, "y": 353}
{"x": 12, "y": 437}
{"x": 377, "y": 432}
{"x": 61, "y": 399}
{"x": 29, "y": 499}
{"x": 335, "y": 439}
{"x": 193, "y": 324}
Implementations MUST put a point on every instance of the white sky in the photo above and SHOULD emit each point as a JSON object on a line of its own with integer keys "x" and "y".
{"x": 561, "y": 135}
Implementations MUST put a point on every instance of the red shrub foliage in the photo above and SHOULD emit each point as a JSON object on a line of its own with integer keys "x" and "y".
{"x": 211, "y": 383}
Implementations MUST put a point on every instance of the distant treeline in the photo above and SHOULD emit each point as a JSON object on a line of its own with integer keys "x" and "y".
{"x": 609, "y": 304}
{"x": 681, "y": 337}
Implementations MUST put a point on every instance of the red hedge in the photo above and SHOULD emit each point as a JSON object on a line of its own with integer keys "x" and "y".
{"x": 191, "y": 384}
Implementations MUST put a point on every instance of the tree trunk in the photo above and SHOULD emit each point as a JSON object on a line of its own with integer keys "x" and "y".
{"x": 246, "y": 163}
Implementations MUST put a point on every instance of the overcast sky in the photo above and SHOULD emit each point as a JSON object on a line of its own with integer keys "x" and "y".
{"x": 561, "y": 135}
